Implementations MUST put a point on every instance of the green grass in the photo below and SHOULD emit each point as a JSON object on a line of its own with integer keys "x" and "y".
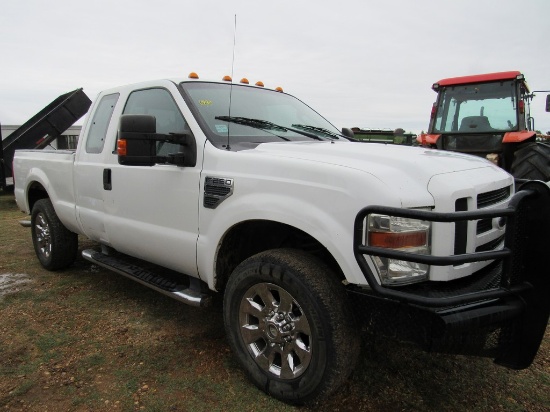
{"x": 87, "y": 339}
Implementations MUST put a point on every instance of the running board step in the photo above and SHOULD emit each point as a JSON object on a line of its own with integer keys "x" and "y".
{"x": 190, "y": 295}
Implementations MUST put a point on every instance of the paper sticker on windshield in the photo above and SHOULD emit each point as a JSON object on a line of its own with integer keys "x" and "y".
{"x": 205, "y": 102}
{"x": 221, "y": 128}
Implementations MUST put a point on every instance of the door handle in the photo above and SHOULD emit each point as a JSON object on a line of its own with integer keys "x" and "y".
{"x": 107, "y": 183}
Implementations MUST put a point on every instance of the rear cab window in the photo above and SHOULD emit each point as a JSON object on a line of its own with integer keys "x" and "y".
{"x": 100, "y": 122}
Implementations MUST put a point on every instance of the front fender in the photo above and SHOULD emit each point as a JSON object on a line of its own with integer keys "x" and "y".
{"x": 331, "y": 225}
{"x": 517, "y": 137}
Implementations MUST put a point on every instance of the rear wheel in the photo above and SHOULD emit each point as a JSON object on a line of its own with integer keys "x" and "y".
{"x": 56, "y": 247}
{"x": 288, "y": 321}
{"x": 532, "y": 162}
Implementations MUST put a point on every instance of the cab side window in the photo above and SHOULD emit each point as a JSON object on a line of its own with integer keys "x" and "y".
{"x": 158, "y": 103}
{"x": 100, "y": 123}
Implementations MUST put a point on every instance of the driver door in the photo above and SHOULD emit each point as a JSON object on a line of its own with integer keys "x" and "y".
{"x": 152, "y": 211}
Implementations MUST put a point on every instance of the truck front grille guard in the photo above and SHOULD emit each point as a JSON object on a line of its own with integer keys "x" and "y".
{"x": 524, "y": 256}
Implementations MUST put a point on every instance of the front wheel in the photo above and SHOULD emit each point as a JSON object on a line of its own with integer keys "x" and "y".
{"x": 288, "y": 321}
{"x": 56, "y": 247}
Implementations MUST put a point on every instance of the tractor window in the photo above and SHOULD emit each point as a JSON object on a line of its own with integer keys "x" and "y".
{"x": 477, "y": 108}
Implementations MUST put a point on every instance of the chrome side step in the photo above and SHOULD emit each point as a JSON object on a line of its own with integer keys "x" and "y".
{"x": 190, "y": 295}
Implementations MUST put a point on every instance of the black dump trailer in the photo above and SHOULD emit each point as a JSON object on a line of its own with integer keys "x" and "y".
{"x": 41, "y": 129}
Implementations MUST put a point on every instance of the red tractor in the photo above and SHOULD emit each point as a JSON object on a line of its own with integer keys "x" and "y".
{"x": 488, "y": 115}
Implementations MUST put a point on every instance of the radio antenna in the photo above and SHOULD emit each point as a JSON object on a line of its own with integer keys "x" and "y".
{"x": 228, "y": 147}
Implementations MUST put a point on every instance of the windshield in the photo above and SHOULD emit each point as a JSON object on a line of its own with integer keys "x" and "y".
{"x": 256, "y": 116}
{"x": 477, "y": 108}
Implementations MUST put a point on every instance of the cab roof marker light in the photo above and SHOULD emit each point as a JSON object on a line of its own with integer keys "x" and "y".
{"x": 244, "y": 80}
{"x": 260, "y": 83}
{"x": 227, "y": 79}
{"x": 193, "y": 75}
{"x": 279, "y": 89}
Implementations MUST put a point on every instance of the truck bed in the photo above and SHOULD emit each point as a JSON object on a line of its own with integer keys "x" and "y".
{"x": 47, "y": 166}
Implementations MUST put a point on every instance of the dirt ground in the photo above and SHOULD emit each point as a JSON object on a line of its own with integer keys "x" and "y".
{"x": 85, "y": 339}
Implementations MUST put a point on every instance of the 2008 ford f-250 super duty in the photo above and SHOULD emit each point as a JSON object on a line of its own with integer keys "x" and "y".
{"x": 192, "y": 187}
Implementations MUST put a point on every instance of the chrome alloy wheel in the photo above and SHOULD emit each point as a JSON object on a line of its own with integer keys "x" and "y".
{"x": 275, "y": 331}
{"x": 43, "y": 237}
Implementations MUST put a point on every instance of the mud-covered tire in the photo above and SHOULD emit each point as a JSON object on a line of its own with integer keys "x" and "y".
{"x": 56, "y": 247}
{"x": 532, "y": 162}
{"x": 289, "y": 322}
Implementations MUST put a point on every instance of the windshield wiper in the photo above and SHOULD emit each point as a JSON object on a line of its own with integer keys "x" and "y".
{"x": 326, "y": 132}
{"x": 255, "y": 123}
{"x": 266, "y": 125}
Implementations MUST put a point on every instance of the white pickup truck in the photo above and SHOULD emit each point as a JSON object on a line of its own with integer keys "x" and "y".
{"x": 195, "y": 187}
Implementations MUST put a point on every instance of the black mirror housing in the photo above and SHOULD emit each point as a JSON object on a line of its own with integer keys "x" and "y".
{"x": 548, "y": 102}
{"x": 136, "y": 145}
{"x": 349, "y": 134}
{"x": 346, "y": 131}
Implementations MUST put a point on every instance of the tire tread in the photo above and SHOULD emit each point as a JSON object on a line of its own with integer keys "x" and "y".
{"x": 64, "y": 242}
{"x": 315, "y": 279}
{"x": 532, "y": 161}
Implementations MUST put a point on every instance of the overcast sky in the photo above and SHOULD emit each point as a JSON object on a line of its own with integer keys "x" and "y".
{"x": 358, "y": 62}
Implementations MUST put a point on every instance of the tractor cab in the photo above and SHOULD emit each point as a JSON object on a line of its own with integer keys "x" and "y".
{"x": 486, "y": 115}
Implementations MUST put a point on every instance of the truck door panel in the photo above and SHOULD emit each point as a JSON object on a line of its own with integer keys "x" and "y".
{"x": 152, "y": 211}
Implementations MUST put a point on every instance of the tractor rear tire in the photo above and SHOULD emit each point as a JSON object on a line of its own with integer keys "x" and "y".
{"x": 532, "y": 162}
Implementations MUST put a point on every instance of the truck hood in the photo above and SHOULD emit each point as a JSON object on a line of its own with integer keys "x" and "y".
{"x": 388, "y": 163}
{"x": 406, "y": 173}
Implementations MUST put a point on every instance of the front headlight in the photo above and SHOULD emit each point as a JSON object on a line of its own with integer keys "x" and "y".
{"x": 404, "y": 234}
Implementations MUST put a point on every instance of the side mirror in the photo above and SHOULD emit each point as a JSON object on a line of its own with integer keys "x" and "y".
{"x": 548, "y": 102}
{"x": 136, "y": 145}
{"x": 348, "y": 132}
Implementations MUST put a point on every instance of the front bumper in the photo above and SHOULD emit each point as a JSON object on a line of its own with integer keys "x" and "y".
{"x": 502, "y": 311}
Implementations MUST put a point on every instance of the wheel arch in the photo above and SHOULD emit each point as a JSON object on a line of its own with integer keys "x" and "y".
{"x": 250, "y": 237}
{"x": 35, "y": 192}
